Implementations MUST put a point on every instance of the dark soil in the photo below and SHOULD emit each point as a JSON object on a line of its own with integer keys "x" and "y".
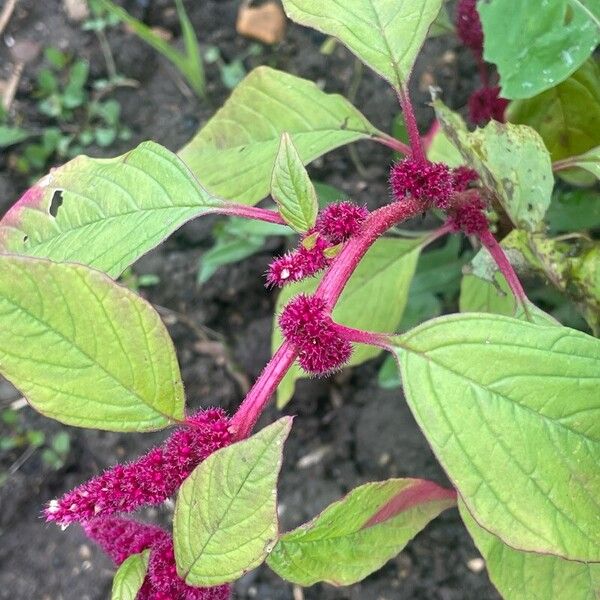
{"x": 348, "y": 431}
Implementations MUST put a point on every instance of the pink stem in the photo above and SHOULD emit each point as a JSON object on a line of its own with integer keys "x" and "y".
{"x": 250, "y": 212}
{"x": 411, "y": 126}
{"x": 377, "y": 222}
{"x": 358, "y": 336}
{"x": 494, "y": 248}
{"x": 330, "y": 288}
{"x": 430, "y": 135}
{"x": 394, "y": 144}
{"x": 251, "y": 408}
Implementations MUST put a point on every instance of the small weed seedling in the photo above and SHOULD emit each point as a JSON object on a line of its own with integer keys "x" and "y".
{"x": 506, "y": 396}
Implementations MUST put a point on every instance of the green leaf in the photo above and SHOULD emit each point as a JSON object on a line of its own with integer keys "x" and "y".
{"x": 386, "y": 36}
{"x": 236, "y": 239}
{"x": 233, "y": 154}
{"x": 388, "y": 377}
{"x": 540, "y": 45}
{"x": 566, "y": 116}
{"x": 574, "y": 210}
{"x": 357, "y": 535}
{"x": 525, "y": 575}
{"x": 374, "y": 299}
{"x": 84, "y": 350}
{"x": 9, "y": 136}
{"x": 480, "y": 295}
{"x": 292, "y": 189}
{"x": 105, "y": 213}
{"x": 443, "y": 150}
{"x": 130, "y": 576}
{"x": 226, "y": 512}
{"x": 511, "y": 410}
{"x": 590, "y": 161}
{"x": 511, "y": 160}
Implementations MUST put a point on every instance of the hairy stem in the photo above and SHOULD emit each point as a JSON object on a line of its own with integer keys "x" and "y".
{"x": 257, "y": 398}
{"x": 250, "y": 212}
{"x": 359, "y": 336}
{"x": 377, "y": 223}
{"x": 494, "y": 248}
{"x": 329, "y": 290}
{"x": 411, "y": 126}
{"x": 394, "y": 144}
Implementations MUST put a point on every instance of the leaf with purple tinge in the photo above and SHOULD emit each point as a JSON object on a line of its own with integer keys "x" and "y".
{"x": 357, "y": 535}
{"x": 105, "y": 213}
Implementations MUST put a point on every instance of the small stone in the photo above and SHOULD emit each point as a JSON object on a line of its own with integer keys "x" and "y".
{"x": 476, "y": 565}
{"x": 264, "y": 23}
{"x": 77, "y": 10}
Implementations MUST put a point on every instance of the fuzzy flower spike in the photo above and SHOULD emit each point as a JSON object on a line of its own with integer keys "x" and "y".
{"x": 306, "y": 324}
{"x": 335, "y": 224}
{"x": 432, "y": 183}
{"x": 120, "y": 538}
{"x": 149, "y": 480}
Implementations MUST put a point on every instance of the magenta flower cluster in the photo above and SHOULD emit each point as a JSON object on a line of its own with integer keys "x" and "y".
{"x": 467, "y": 214}
{"x": 306, "y": 323}
{"x": 335, "y": 224}
{"x": 121, "y": 538}
{"x": 432, "y": 183}
{"x": 468, "y": 26}
{"x": 486, "y": 104}
{"x": 149, "y": 480}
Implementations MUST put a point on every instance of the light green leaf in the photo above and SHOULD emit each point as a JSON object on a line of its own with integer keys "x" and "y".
{"x": 226, "y": 512}
{"x": 529, "y": 576}
{"x": 130, "y": 576}
{"x": 540, "y": 45}
{"x": 481, "y": 295}
{"x": 590, "y": 161}
{"x": 374, "y": 299}
{"x": 105, "y": 213}
{"x": 511, "y": 160}
{"x": 292, "y": 189}
{"x": 233, "y": 154}
{"x": 566, "y": 116}
{"x": 386, "y": 36}
{"x": 357, "y": 535}
{"x": 573, "y": 210}
{"x": 443, "y": 150}
{"x": 512, "y": 412}
{"x": 12, "y": 135}
{"x": 388, "y": 376}
{"x": 84, "y": 350}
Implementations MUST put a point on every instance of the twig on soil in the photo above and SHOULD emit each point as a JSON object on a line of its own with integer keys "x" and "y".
{"x": 12, "y": 85}
{"x": 6, "y": 14}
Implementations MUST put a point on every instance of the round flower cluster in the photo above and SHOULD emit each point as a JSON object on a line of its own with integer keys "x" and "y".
{"x": 306, "y": 324}
{"x": 335, "y": 224}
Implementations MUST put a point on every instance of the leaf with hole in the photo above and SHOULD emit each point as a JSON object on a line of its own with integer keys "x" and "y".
{"x": 226, "y": 515}
{"x": 386, "y": 36}
{"x": 511, "y": 160}
{"x": 374, "y": 299}
{"x": 357, "y": 535}
{"x": 105, "y": 213}
{"x": 84, "y": 350}
{"x": 526, "y": 575}
{"x": 541, "y": 44}
{"x": 512, "y": 412}
{"x": 130, "y": 576}
{"x": 234, "y": 153}
{"x": 292, "y": 188}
